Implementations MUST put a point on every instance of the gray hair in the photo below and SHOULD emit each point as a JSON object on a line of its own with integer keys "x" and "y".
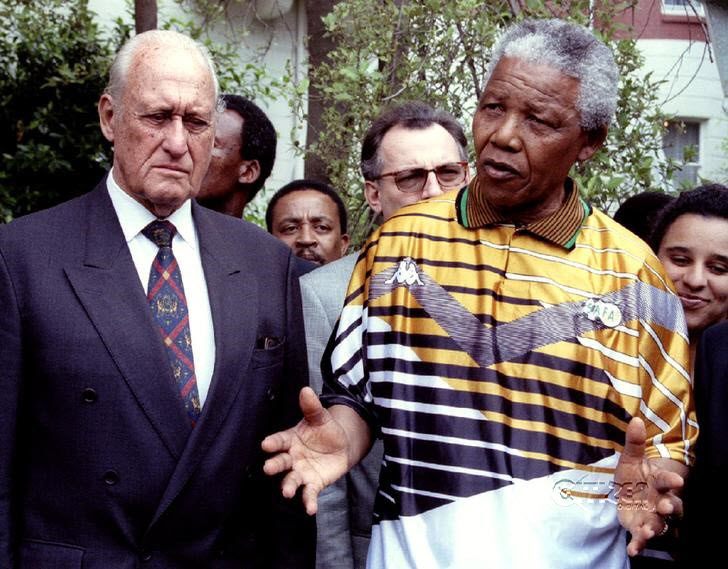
{"x": 574, "y": 51}
{"x": 122, "y": 62}
{"x": 412, "y": 115}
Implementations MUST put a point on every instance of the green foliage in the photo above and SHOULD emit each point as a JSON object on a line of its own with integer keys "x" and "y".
{"x": 437, "y": 51}
{"x": 53, "y": 64}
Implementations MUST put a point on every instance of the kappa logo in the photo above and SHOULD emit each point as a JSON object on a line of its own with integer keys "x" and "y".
{"x": 406, "y": 273}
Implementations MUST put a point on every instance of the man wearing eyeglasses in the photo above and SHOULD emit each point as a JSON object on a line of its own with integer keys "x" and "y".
{"x": 410, "y": 152}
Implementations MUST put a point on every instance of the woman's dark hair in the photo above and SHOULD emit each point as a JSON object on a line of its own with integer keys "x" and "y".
{"x": 710, "y": 200}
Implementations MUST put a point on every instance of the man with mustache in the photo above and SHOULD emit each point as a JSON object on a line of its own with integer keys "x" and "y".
{"x": 310, "y": 218}
{"x": 521, "y": 355}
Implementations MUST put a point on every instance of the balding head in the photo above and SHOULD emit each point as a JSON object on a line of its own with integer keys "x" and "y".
{"x": 154, "y": 40}
{"x": 159, "y": 112}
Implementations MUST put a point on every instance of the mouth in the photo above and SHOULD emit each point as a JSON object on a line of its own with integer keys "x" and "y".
{"x": 310, "y": 256}
{"x": 499, "y": 170}
{"x": 692, "y": 302}
{"x": 175, "y": 168}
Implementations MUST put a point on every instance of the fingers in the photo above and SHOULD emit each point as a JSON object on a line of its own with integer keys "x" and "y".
{"x": 638, "y": 541}
{"x": 290, "y": 484}
{"x": 277, "y": 442}
{"x": 642, "y": 531}
{"x": 278, "y": 463}
{"x": 309, "y": 494}
{"x": 634, "y": 444}
{"x": 313, "y": 412}
{"x": 670, "y": 505}
{"x": 667, "y": 481}
{"x": 310, "y": 499}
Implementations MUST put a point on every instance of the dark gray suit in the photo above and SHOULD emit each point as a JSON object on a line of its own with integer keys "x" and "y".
{"x": 99, "y": 467}
{"x": 344, "y": 517}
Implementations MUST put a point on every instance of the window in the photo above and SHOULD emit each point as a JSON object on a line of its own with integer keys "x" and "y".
{"x": 681, "y": 142}
{"x": 682, "y": 7}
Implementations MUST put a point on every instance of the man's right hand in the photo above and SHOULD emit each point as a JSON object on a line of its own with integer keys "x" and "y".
{"x": 315, "y": 452}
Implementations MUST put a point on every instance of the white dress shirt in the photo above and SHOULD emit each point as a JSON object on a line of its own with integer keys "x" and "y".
{"x": 134, "y": 217}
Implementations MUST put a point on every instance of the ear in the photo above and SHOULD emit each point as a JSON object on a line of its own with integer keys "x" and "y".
{"x": 371, "y": 193}
{"x": 248, "y": 172}
{"x": 106, "y": 116}
{"x": 467, "y": 174}
{"x": 594, "y": 140}
{"x": 344, "y": 243}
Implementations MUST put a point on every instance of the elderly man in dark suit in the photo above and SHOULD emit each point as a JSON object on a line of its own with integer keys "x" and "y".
{"x": 146, "y": 347}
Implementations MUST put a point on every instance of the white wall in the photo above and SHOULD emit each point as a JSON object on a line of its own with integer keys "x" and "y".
{"x": 274, "y": 41}
{"x": 692, "y": 91}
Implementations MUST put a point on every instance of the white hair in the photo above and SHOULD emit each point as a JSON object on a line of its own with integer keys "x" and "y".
{"x": 122, "y": 62}
{"x": 574, "y": 51}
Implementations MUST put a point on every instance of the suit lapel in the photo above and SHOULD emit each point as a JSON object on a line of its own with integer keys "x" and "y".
{"x": 234, "y": 314}
{"x": 108, "y": 287}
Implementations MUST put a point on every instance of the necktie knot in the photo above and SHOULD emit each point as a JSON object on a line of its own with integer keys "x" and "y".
{"x": 160, "y": 233}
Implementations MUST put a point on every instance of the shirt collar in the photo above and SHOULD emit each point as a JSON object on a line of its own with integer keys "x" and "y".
{"x": 560, "y": 227}
{"x": 134, "y": 217}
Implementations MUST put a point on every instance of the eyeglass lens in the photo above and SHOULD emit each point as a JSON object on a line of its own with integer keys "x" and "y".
{"x": 448, "y": 175}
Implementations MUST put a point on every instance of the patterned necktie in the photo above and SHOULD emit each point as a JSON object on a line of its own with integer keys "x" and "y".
{"x": 167, "y": 300}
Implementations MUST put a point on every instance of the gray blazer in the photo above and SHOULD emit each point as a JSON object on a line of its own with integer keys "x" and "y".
{"x": 344, "y": 518}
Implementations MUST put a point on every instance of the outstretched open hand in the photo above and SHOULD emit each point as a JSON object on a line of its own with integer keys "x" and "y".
{"x": 315, "y": 451}
{"x": 646, "y": 489}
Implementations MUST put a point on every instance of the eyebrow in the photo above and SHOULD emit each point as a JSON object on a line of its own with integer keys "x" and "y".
{"x": 290, "y": 219}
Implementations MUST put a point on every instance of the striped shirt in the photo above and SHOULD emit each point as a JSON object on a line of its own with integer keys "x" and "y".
{"x": 501, "y": 364}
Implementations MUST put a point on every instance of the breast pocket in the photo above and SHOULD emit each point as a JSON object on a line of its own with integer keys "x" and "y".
{"x": 36, "y": 554}
{"x": 269, "y": 352}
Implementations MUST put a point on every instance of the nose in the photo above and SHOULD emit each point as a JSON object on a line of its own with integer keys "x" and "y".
{"x": 175, "y": 138}
{"x": 306, "y": 236}
{"x": 506, "y": 135}
{"x": 694, "y": 276}
{"x": 432, "y": 186}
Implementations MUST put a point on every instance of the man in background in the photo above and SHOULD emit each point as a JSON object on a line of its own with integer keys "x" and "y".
{"x": 410, "y": 152}
{"x": 310, "y": 218}
{"x": 242, "y": 157}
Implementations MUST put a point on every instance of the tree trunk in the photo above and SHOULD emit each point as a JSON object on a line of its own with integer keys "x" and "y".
{"x": 318, "y": 48}
{"x": 145, "y": 15}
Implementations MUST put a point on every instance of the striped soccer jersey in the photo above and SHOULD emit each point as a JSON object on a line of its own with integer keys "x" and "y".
{"x": 501, "y": 371}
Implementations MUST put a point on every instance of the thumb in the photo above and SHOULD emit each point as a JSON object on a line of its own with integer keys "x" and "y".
{"x": 313, "y": 412}
{"x": 635, "y": 439}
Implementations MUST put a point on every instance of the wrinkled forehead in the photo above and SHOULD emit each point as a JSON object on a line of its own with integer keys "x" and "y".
{"x": 306, "y": 204}
{"x": 404, "y": 147}
{"x": 155, "y": 63}
{"x": 537, "y": 84}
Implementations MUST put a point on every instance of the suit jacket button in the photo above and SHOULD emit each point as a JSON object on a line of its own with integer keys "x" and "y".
{"x": 110, "y": 477}
{"x": 145, "y": 556}
{"x": 89, "y": 395}
{"x": 271, "y": 394}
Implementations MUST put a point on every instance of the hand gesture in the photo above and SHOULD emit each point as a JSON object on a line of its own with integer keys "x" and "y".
{"x": 315, "y": 451}
{"x": 646, "y": 490}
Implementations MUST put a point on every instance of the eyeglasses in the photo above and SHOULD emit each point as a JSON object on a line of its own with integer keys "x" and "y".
{"x": 414, "y": 179}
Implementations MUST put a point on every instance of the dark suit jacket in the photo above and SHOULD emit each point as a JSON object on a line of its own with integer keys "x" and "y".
{"x": 706, "y": 497}
{"x": 99, "y": 467}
